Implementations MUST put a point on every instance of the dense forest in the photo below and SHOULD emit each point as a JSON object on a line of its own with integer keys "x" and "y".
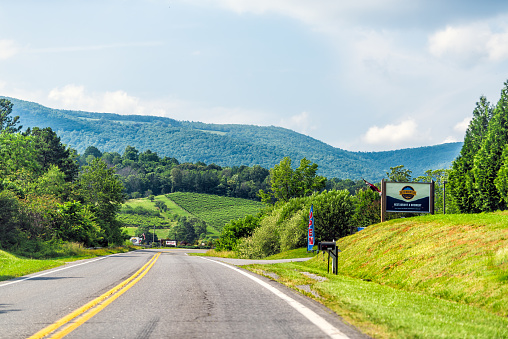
{"x": 223, "y": 145}
{"x": 145, "y": 173}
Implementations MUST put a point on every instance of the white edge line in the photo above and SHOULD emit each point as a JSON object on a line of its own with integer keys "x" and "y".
{"x": 53, "y": 271}
{"x": 317, "y": 320}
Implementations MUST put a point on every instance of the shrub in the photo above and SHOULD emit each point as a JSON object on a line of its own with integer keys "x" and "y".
{"x": 235, "y": 230}
{"x": 264, "y": 241}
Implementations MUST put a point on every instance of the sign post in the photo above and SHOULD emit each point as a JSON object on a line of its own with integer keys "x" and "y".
{"x": 408, "y": 197}
{"x": 310, "y": 236}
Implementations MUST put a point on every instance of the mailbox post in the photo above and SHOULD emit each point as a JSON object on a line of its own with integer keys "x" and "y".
{"x": 333, "y": 251}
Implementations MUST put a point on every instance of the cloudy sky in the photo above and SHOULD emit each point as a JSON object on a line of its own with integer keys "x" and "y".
{"x": 362, "y": 75}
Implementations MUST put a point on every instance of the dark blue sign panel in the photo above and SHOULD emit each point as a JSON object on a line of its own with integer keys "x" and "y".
{"x": 408, "y": 197}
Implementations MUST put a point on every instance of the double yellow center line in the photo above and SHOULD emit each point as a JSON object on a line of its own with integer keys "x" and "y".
{"x": 70, "y": 322}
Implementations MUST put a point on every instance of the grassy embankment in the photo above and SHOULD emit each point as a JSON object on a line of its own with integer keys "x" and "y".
{"x": 442, "y": 276}
{"x": 12, "y": 266}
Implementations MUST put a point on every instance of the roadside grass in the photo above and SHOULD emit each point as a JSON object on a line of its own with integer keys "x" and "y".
{"x": 291, "y": 254}
{"x": 384, "y": 312}
{"x": 215, "y": 210}
{"x": 14, "y": 266}
{"x": 434, "y": 276}
{"x": 214, "y": 253}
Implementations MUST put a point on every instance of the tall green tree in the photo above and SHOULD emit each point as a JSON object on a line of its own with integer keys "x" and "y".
{"x": 399, "y": 174}
{"x": 286, "y": 183}
{"x": 8, "y": 123}
{"x": 489, "y": 158}
{"x": 99, "y": 188}
{"x": 462, "y": 181}
{"x": 51, "y": 151}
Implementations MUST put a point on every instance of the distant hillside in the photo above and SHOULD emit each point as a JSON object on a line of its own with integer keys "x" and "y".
{"x": 224, "y": 145}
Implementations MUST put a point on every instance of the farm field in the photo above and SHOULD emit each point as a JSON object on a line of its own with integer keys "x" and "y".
{"x": 215, "y": 210}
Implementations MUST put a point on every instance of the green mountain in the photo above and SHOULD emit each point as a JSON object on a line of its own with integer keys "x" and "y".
{"x": 224, "y": 145}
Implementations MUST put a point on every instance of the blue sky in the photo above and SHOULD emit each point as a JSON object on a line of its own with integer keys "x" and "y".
{"x": 363, "y": 75}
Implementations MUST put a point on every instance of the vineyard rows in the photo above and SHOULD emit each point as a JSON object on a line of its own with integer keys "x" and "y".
{"x": 215, "y": 210}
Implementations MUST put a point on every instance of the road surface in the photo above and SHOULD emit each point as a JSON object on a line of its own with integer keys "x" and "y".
{"x": 168, "y": 295}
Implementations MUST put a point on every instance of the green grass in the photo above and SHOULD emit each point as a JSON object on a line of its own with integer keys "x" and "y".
{"x": 13, "y": 266}
{"x": 291, "y": 254}
{"x": 434, "y": 276}
{"x": 215, "y": 210}
{"x": 384, "y": 312}
{"x": 173, "y": 208}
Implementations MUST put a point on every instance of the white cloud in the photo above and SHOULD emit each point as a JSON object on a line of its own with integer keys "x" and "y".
{"x": 462, "y": 126}
{"x": 301, "y": 123}
{"x": 449, "y": 139}
{"x": 390, "y": 134}
{"x": 8, "y": 49}
{"x": 75, "y": 97}
{"x": 486, "y": 40}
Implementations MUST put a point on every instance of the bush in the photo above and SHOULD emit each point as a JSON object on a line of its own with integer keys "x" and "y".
{"x": 235, "y": 230}
{"x": 293, "y": 232}
{"x": 285, "y": 228}
{"x": 333, "y": 212}
{"x": 264, "y": 241}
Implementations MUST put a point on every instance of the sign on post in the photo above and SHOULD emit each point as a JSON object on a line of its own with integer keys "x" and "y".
{"x": 409, "y": 197}
{"x": 310, "y": 236}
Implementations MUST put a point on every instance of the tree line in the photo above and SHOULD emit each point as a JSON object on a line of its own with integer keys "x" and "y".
{"x": 479, "y": 176}
{"x": 45, "y": 196}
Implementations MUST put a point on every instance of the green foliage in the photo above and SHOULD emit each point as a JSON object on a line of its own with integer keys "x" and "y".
{"x": 462, "y": 182}
{"x": 51, "y": 152}
{"x": 399, "y": 174}
{"x": 99, "y": 188}
{"x": 224, "y": 145}
{"x": 286, "y": 183}
{"x": 233, "y": 231}
{"x": 264, "y": 241}
{"x": 161, "y": 205}
{"x": 17, "y": 159}
{"x": 215, "y": 210}
{"x": 368, "y": 208}
{"x": 8, "y": 123}
{"x": 285, "y": 226}
{"x": 11, "y": 220}
{"x": 333, "y": 212}
{"x": 75, "y": 223}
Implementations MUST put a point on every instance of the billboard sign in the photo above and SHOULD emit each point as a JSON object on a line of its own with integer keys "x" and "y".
{"x": 409, "y": 197}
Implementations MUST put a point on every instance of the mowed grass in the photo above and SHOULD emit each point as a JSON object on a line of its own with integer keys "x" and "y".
{"x": 173, "y": 208}
{"x": 441, "y": 276}
{"x": 215, "y": 210}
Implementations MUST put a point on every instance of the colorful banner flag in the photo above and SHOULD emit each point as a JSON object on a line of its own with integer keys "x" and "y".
{"x": 310, "y": 237}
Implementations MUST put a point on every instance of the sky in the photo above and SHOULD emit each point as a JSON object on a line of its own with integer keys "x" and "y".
{"x": 362, "y": 75}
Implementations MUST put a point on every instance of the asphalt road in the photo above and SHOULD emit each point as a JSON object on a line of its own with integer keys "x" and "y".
{"x": 180, "y": 296}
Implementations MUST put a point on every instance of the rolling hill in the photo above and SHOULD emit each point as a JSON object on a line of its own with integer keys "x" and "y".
{"x": 224, "y": 145}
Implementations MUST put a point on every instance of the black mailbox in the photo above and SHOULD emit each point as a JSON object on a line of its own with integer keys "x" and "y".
{"x": 327, "y": 246}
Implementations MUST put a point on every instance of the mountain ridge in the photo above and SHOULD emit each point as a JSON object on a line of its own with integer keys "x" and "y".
{"x": 224, "y": 144}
